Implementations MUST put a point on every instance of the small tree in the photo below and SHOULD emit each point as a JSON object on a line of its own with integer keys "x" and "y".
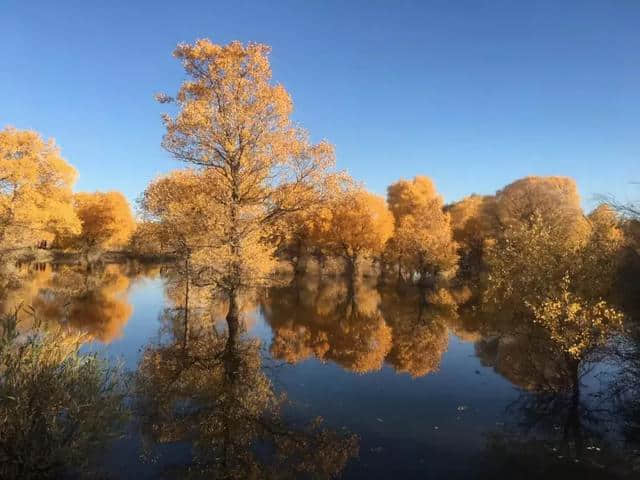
{"x": 107, "y": 222}
{"x": 355, "y": 226}
{"x": 56, "y": 406}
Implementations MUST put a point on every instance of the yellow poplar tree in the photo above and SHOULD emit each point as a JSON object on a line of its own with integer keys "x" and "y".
{"x": 355, "y": 226}
{"x": 35, "y": 190}
{"x": 423, "y": 237}
{"x": 554, "y": 199}
{"x": 474, "y": 223}
{"x": 107, "y": 221}
{"x": 234, "y": 124}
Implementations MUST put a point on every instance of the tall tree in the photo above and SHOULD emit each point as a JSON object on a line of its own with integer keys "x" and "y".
{"x": 35, "y": 190}
{"x": 423, "y": 237}
{"x": 234, "y": 124}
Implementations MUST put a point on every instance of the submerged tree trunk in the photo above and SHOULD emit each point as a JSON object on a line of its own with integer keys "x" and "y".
{"x": 573, "y": 424}
{"x": 186, "y": 303}
{"x": 352, "y": 269}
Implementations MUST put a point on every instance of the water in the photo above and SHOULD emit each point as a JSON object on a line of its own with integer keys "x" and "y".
{"x": 417, "y": 391}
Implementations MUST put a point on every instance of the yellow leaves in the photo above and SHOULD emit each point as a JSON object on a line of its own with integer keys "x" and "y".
{"x": 35, "y": 190}
{"x": 107, "y": 221}
{"x": 575, "y": 324}
{"x": 422, "y": 240}
{"x": 357, "y": 223}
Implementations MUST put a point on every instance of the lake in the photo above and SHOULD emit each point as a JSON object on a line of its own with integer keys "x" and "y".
{"x": 323, "y": 378}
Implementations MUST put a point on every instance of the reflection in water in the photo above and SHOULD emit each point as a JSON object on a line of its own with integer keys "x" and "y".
{"x": 92, "y": 301}
{"x": 566, "y": 421}
{"x": 357, "y": 327}
{"x": 334, "y": 321}
{"x": 420, "y": 332}
{"x": 207, "y": 386}
{"x": 204, "y": 383}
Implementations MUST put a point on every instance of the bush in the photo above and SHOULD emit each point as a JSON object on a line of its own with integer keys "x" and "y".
{"x": 56, "y": 405}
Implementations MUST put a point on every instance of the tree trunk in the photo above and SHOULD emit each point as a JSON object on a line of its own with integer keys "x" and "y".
{"x": 186, "y": 303}
{"x": 352, "y": 266}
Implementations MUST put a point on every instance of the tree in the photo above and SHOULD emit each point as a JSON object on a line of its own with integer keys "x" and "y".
{"x": 355, "y": 226}
{"x": 35, "y": 190}
{"x": 576, "y": 325}
{"x": 107, "y": 222}
{"x": 302, "y": 233}
{"x": 473, "y": 222}
{"x": 554, "y": 199}
{"x": 235, "y": 126}
{"x": 423, "y": 237}
{"x": 557, "y": 284}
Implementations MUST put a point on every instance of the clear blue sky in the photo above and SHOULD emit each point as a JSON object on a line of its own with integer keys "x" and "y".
{"x": 472, "y": 93}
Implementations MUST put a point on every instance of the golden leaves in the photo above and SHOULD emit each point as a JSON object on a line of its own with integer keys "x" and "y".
{"x": 423, "y": 241}
{"x": 576, "y": 324}
{"x": 256, "y": 167}
{"x": 35, "y": 190}
{"x": 106, "y": 218}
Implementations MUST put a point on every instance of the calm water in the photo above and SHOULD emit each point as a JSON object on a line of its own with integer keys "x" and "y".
{"x": 405, "y": 390}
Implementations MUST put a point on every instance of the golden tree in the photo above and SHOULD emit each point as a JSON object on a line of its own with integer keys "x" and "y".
{"x": 35, "y": 190}
{"x": 302, "y": 233}
{"x": 423, "y": 237}
{"x": 557, "y": 282}
{"x": 107, "y": 222}
{"x": 473, "y": 220}
{"x": 554, "y": 199}
{"x": 355, "y": 226}
{"x": 234, "y": 125}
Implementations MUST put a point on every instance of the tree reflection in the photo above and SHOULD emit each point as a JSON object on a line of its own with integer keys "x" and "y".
{"x": 88, "y": 300}
{"x": 206, "y": 385}
{"x": 357, "y": 326}
{"x": 420, "y": 332}
{"x": 91, "y": 301}
{"x": 336, "y": 320}
{"x": 560, "y": 422}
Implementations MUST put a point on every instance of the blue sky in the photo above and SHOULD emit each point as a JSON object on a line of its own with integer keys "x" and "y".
{"x": 472, "y": 93}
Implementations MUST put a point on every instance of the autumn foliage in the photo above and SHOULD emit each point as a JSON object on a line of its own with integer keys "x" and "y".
{"x": 106, "y": 219}
{"x": 256, "y": 192}
{"x": 35, "y": 190}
